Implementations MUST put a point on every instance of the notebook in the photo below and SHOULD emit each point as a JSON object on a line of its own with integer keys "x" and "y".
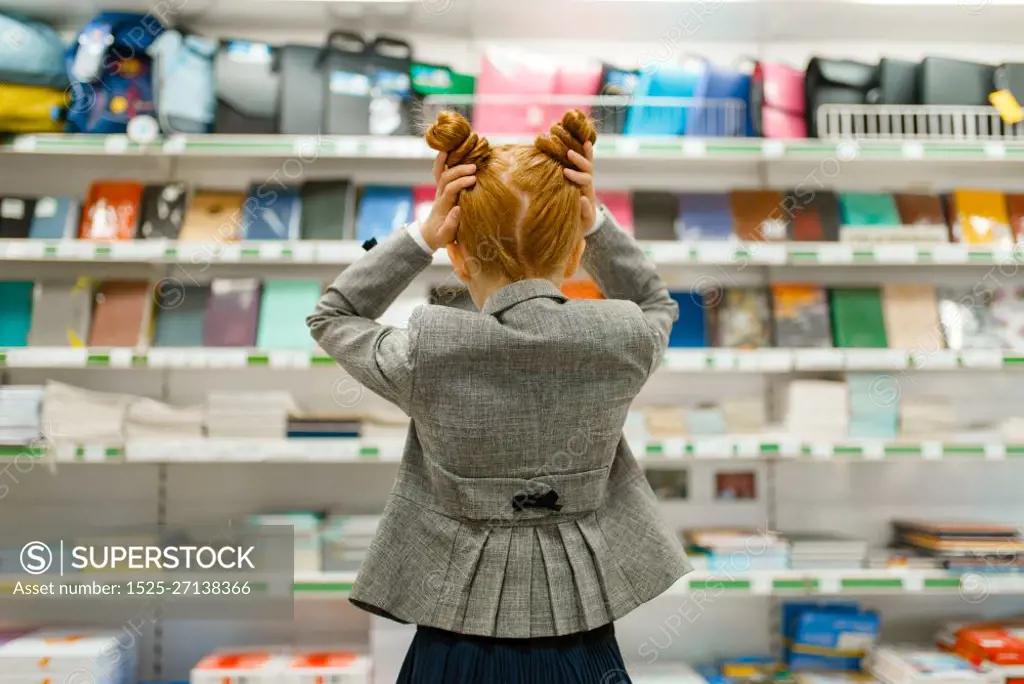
{"x": 233, "y": 314}
{"x": 16, "y": 217}
{"x": 325, "y": 210}
{"x": 801, "y": 316}
{"x": 742, "y": 318}
{"x": 111, "y": 211}
{"x": 920, "y": 210}
{"x": 383, "y": 210}
{"x": 758, "y": 215}
{"x": 869, "y": 209}
{"x": 857, "y": 319}
{"x": 55, "y": 218}
{"x": 967, "y": 321}
{"x": 181, "y": 316}
{"x": 981, "y": 218}
{"x": 704, "y": 217}
{"x": 122, "y": 314}
{"x": 213, "y": 216}
{"x": 283, "y": 311}
{"x": 15, "y": 312}
{"x": 272, "y": 214}
{"x": 1008, "y": 315}
{"x": 620, "y": 205}
{"x": 62, "y": 313}
{"x": 815, "y": 215}
{"x": 690, "y": 330}
{"x": 1015, "y": 212}
{"x": 911, "y": 314}
{"x": 163, "y": 211}
{"x": 654, "y": 215}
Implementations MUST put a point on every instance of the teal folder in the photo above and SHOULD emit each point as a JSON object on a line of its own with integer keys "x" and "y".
{"x": 283, "y": 311}
{"x": 15, "y": 312}
{"x": 181, "y": 316}
{"x": 869, "y": 209}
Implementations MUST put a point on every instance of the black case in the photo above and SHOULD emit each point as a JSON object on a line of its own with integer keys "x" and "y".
{"x": 302, "y": 91}
{"x": 836, "y": 81}
{"x": 956, "y": 82}
{"x": 346, "y": 84}
{"x": 898, "y": 83}
{"x": 390, "y": 113}
{"x": 16, "y": 217}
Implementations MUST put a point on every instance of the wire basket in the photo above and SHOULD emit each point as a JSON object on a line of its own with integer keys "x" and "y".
{"x": 913, "y": 122}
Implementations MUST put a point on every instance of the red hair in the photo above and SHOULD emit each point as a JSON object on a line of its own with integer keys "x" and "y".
{"x": 522, "y": 217}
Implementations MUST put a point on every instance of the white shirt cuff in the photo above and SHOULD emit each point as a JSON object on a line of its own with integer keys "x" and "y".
{"x": 416, "y": 234}
{"x": 598, "y": 220}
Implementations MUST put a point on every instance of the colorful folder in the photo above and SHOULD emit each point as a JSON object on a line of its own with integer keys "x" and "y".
{"x": 981, "y": 218}
{"x": 181, "y": 315}
{"x": 325, "y": 210}
{"x": 283, "y": 311}
{"x": 16, "y": 217}
{"x": 272, "y": 214}
{"x": 111, "y": 211}
{"x": 801, "y": 315}
{"x": 233, "y": 314}
{"x": 704, "y": 217}
{"x": 122, "y": 314}
{"x": 869, "y": 209}
{"x": 213, "y": 216}
{"x": 690, "y": 330}
{"x": 383, "y": 210}
{"x": 758, "y": 215}
{"x": 857, "y": 318}
{"x": 15, "y": 312}
{"x": 55, "y": 218}
{"x": 920, "y": 210}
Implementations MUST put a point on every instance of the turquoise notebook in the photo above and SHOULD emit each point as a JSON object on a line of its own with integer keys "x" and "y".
{"x": 15, "y": 312}
{"x": 283, "y": 311}
{"x": 869, "y": 209}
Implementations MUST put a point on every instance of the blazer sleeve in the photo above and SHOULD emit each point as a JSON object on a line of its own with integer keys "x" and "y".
{"x": 344, "y": 323}
{"x": 620, "y": 268}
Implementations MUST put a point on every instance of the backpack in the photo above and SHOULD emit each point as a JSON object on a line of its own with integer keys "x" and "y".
{"x": 111, "y": 73}
{"x": 31, "y": 53}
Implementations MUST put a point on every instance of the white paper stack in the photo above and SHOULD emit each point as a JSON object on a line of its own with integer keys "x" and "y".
{"x": 925, "y": 665}
{"x": 676, "y": 673}
{"x": 148, "y": 418}
{"x": 52, "y": 655}
{"x": 260, "y": 415}
{"x": 745, "y": 416}
{"x": 282, "y": 665}
{"x": 346, "y": 541}
{"x": 825, "y": 551}
{"x": 926, "y": 417}
{"x": 817, "y": 409}
{"x": 71, "y": 414}
{"x": 20, "y": 414}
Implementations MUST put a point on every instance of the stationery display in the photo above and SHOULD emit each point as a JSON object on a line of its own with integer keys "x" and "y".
{"x": 827, "y": 636}
{"x": 248, "y": 414}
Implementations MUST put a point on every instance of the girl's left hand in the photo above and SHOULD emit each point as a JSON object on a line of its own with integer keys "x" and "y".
{"x": 585, "y": 179}
{"x": 440, "y": 227}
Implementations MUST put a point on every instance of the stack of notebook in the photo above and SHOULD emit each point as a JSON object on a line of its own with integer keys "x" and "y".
{"x": 78, "y": 415}
{"x": 882, "y": 559}
{"x": 926, "y": 417}
{"x": 825, "y": 551}
{"x": 20, "y": 414}
{"x": 248, "y": 414}
{"x": 874, "y": 406}
{"x": 323, "y": 427}
{"x": 345, "y": 540}
{"x": 926, "y": 665}
{"x": 980, "y": 547}
{"x": 738, "y": 550}
{"x": 147, "y": 418}
{"x": 817, "y": 409}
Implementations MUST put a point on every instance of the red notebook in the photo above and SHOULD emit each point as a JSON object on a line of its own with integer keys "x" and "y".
{"x": 111, "y": 211}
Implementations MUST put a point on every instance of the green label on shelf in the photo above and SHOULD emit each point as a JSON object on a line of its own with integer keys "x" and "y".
{"x": 322, "y": 361}
{"x": 250, "y": 253}
{"x": 718, "y": 585}
{"x": 98, "y": 360}
{"x": 369, "y": 452}
{"x": 655, "y": 449}
{"x": 942, "y": 583}
{"x": 784, "y": 584}
{"x": 259, "y": 360}
{"x": 871, "y": 583}
{"x": 332, "y": 587}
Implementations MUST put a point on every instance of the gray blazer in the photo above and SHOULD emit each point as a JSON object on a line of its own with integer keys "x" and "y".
{"x": 519, "y": 510}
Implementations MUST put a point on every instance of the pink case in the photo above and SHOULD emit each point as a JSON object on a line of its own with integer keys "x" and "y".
{"x": 579, "y": 81}
{"x": 620, "y": 204}
{"x": 782, "y": 115}
{"x": 508, "y": 75}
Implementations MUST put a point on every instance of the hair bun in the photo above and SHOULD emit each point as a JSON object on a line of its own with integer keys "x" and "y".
{"x": 571, "y": 133}
{"x": 452, "y": 133}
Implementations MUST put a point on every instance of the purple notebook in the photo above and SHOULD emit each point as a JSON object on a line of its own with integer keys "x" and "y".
{"x": 233, "y": 313}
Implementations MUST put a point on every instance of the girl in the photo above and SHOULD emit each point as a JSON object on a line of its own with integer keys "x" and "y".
{"x": 520, "y": 525}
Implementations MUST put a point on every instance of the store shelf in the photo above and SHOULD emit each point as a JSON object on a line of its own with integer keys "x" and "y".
{"x": 705, "y": 360}
{"x": 658, "y": 453}
{"x": 973, "y": 587}
{"x": 665, "y": 253}
{"x": 610, "y": 147}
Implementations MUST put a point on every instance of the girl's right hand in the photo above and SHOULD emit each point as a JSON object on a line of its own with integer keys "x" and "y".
{"x": 440, "y": 227}
{"x": 585, "y": 179}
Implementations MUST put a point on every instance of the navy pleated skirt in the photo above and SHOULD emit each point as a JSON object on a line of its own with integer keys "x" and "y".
{"x": 440, "y": 657}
